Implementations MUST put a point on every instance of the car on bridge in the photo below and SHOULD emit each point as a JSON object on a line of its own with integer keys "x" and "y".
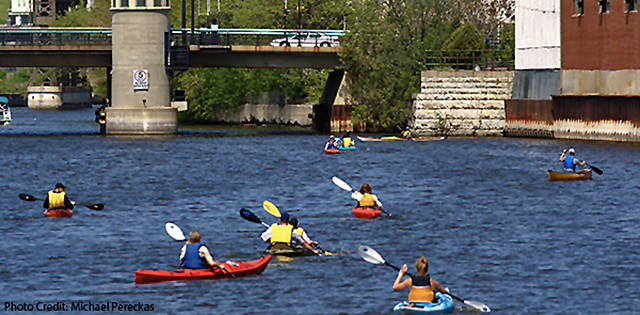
{"x": 307, "y": 39}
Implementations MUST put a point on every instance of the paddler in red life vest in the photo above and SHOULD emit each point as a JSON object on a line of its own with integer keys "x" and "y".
{"x": 283, "y": 233}
{"x": 196, "y": 255}
{"x": 57, "y": 199}
{"x": 365, "y": 198}
{"x": 301, "y": 232}
{"x": 422, "y": 286}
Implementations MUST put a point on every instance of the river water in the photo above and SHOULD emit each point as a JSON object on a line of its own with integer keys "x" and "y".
{"x": 494, "y": 229}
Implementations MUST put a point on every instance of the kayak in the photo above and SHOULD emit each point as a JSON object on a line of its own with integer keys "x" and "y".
{"x": 331, "y": 151}
{"x": 365, "y": 212}
{"x": 285, "y": 250}
{"x": 237, "y": 268}
{"x": 341, "y": 148}
{"x": 396, "y": 138}
{"x": 556, "y": 176}
{"x": 58, "y": 213}
{"x": 444, "y": 306}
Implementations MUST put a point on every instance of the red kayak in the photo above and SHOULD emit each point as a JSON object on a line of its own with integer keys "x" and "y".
{"x": 365, "y": 212}
{"x": 58, "y": 213}
{"x": 237, "y": 268}
{"x": 331, "y": 151}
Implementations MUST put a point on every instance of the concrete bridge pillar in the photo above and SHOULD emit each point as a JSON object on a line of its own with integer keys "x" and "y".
{"x": 140, "y": 100}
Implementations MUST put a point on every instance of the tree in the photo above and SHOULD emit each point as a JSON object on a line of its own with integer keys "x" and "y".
{"x": 464, "y": 47}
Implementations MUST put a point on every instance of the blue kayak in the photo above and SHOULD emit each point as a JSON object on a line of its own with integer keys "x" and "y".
{"x": 341, "y": 148}
{"x": 444, "y": 306}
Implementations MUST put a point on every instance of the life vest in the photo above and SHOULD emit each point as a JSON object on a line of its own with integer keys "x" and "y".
{"x": 568, "y": 163}
{"x": 346, "y": 141}
{"x": 192, "y": 259}
{"x": 406, "y": 134}
{"x": 56, "y": 200}
{"x": 421, "y": 290}
{"x": 367, "y": 201}
{"x": 281, "y": 234}
{"x": 299, "y": 231}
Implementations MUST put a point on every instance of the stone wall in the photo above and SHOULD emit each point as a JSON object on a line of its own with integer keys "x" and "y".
{"x": 462, "y": 103}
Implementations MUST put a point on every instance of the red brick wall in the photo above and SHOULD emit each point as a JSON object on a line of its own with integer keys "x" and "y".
{"x": 593, "y": 41}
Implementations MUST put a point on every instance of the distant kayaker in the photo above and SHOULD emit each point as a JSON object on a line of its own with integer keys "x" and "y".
{"x": 570, "y": 161}
{"x": 366, "y": 198}
{"x": 301, "y": 232}
{"x": 283, "y": 233}
{"x": 407, "y": 133}
{"x": 422, "y": 285}
{"x": 346, "y": 140}
{"x": 196, "y": 255}
{"x": 57, "y": 199}
{"x": 331, "y": 144}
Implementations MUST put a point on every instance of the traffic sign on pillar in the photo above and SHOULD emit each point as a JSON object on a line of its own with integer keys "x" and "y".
{"x": 140, "y": 79}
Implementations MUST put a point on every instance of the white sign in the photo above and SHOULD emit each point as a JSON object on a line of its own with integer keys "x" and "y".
{"x": 140, "y": 79}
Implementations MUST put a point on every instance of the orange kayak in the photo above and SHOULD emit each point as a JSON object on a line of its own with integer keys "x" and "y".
{"x": 237, "y": 268}
{"x": 58, "y": 213}
{"x": 365, "y": 212}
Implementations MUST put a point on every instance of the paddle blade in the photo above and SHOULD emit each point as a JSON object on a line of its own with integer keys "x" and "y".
{"x": 271, "y": 208}
{"x": 595, "y": 169}
{"x": 477, "y": 306}
{"x": 95, "y": 206}
{"x": 369, "y": 254}
{"x": 249, "y": 216}
{"x": 174, "y": 231}
{"x": 27, "y": 197}
{"x": 340, "y": 183}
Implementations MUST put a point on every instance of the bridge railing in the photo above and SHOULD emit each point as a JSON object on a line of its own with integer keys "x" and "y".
{"x": 55, "y": 36}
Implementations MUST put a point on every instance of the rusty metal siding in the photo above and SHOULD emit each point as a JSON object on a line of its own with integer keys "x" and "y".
{"x": 594, "y": 41}
{"x": 340, "y": 118}
{"x": 539, "y": 111}
{"x": 592, "y": 108}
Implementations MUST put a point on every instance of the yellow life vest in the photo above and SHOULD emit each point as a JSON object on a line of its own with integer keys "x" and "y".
{"x": 346, "y": 141}
{"x": 299, "y": 231}
{"x": 421, "y": 294}
{"x": 56, "y": 200}
{"x": 367, "y": 201}
{"x": 281, "y": 233}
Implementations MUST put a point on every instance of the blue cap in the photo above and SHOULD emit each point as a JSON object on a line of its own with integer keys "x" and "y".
{"x": 284, "y": 217}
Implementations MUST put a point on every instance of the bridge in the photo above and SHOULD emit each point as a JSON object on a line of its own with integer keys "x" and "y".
{"x": 92, "y": 47}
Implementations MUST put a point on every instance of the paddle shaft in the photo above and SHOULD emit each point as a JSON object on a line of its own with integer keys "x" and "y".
{"x": 97, "y": 206}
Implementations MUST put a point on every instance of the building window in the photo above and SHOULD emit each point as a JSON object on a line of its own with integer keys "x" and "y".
{"x": 630, "y": 5}
{"x": 141, "y": 3}
{"x": 157, "y": 3}
{"x": 124, "y": 3}
{"x": 603, "y": 6}
{"x": 578, "y": 7}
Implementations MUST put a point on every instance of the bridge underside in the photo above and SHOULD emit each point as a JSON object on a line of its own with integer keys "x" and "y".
{"x": 199, "y": 56}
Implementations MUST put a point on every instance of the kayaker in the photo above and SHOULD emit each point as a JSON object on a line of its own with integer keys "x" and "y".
{"x": 57, "y": 199}
{"x": 283, "y": 233}
{"x": 346, "y": 140}
{"x": 331, "y": 144}
{"x": 570, "y": 161}
{"x": 301, "y": 232}
{"x": 366, "y": 198}
{"x": 196, "y": 255}
{"x": 406, "y": 133}
{"x": 422, "y": 285}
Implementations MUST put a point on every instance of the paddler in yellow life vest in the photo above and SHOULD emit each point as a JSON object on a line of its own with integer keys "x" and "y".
{"x": 57, "y": 199}
{"x": 301, "y": 232}
{"x": 347, "y": 141}
{"x": 366, "y": 198}
{"x": 407, "y": 133}
{"x": 283, "y": 233}
{"x": 422, "y": 286}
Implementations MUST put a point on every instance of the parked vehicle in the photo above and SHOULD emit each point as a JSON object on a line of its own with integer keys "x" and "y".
{"x": 307, "y": 39}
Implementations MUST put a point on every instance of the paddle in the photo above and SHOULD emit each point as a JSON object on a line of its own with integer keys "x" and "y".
{"x": 92, "y": 206}
{"x": 595, "y": 169}
{"x": 370, "y": 255}
{"x": 273, "y": 210}
{"x": 176, "y": 233}
{"x": 249, "y": 216}
{"x": 340, "y": 183}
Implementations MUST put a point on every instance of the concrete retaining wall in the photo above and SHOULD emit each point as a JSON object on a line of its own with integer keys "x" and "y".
{"x": 462, "y": 103}
{"x": 58, "y": 97}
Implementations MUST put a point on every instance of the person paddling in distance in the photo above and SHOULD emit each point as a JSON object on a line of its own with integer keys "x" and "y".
{"x": 347, "y": 141}
{"x": 283, "y": 233}
{"x": 331, "y": 144}
{"x": 570, "y": 161}
{"x": 57, "y": 199}
{"x": 407, "y": 133}
{"x": 196, "y": 255}
{"x": 301, "y": 232}
{"x": 422, "y": 286}
{"x": 366, "y": 198}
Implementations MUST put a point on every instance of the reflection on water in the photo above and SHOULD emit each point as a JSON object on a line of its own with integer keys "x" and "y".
{"x": 480, "y": 209}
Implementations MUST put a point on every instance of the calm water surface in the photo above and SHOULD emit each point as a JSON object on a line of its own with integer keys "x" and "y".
{"x": 480, "y": 209}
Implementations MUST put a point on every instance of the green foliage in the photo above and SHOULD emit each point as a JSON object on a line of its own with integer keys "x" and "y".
{"x": 5, "y": 5}
{"x": 80, "y": 16}
{"x": 14, "y": 82}
{"x": 507, "y": 43}
{"x": 464, "y": 47}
